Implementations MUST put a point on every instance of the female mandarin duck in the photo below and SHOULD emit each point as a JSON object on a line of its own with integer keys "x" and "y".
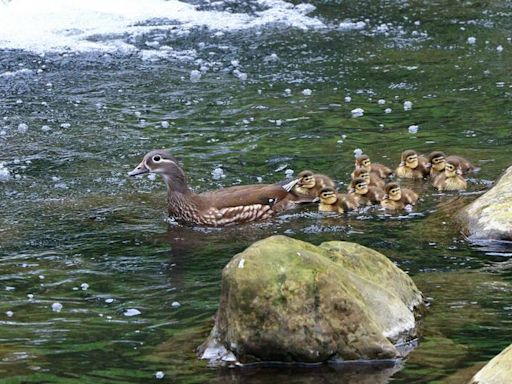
{"x": 226, "y": 206}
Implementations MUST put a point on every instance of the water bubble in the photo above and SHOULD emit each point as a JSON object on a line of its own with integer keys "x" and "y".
{"x": 175, "y": 304}
{"x": 137, "y": 114}
{"x": 279, "y": 122}
{"x": 159, "y": 375}
{"x": 407, "y": 105}
{"x": 45, "y": 128}
{"x": 413, "y": 128}
{"x": 65, "y": 125}
{"x": 84, "y": 286}
{"x": 164, "y": 124}
{"x": 471, "y": 40}
{"x": 499, "y": 48}
{"x": 56, "y": 307}
{"x": 109, "y": 301}
{"x": 381, "y": 102}
{"x": 388, "y": 110}
{"x": 218, "y": 173}
{"x": 132, "y": 312}
{"x": 272, "y": 57}
{"x": 287, "y": 92}
{"x": 4, "y": 173}
{"x": 259, "y": 179}
{"x": 357, "y": 112}
{"x": 22, "y": 128}
{"x": 348, "y": 99}
{"x": 152, "y": 176}
{"x": 30, "y": 296}
{"x": 9, "y": 313}
{"x": 288, "y": 172}
{"x": 19, "y": 101}
{"x": 358, "y": 152}
{"x": 235, "y": 63}
{"x": 195, "y": 76}
{"x": 307, "y": 92}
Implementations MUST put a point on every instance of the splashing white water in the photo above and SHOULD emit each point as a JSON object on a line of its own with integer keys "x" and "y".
{"x": 96, "y": 25}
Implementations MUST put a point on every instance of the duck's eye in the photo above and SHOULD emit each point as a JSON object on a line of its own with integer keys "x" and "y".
{"x": 156, "y": 158}
{"x": 366, "y": 162}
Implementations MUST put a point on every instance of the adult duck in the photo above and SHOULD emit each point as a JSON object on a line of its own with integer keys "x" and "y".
{"x": 222, "y": 207}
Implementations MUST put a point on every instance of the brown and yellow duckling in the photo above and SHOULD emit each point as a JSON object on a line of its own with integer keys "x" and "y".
{"x": 310, "y": 184}
{"x": 438, "y": 160}
{"x": 398, "y": 198}
{"x": 331, "y": 201}
{"x": 451, "y": 179}
{"x": 371, "y": 178}
{"x": 364, "y": 194}
{"x": 412, "y": 166}
{"x": 364, "y": 162}
{"x": 226, "y": 206}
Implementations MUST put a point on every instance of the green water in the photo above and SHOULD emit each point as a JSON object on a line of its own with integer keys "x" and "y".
{"x": 71, "y": 215}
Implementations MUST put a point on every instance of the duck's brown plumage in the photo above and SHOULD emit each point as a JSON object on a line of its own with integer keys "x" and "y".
{"x": 372, "y": 178}
{"x": 450, "y": 179}
{"x": 364, "y": 194}
{"x": 331, "y": 201}
{"x": 412, "y": 170}
{"x": 397, "y": 198}
{"x": 222, "y": 207}
{"x": 379, "y": 170}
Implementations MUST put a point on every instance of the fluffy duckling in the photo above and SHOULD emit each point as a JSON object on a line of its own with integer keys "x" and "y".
{"x": 330, "y": 201}
{"x": 412, "y": 166}
{"x": 451, "y": 179}
{"x": 365, "y": 163}
{"x": 310, "y": 184}
{"x": 371, "y": 178}
{"x": 364, "y": 194}
{"x": 438, "y": 159}
{"x": 397, "y": 198}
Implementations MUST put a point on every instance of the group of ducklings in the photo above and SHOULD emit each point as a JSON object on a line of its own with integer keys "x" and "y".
{"x": 368, "y": 185}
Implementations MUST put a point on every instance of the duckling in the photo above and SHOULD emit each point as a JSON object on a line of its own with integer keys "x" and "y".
{"x": 330, "y": 201}
{"x": 451, "y": 179}
{"x": 364, "y": 162}
{"x": 371, "y": 178}
{"x": 438, "y": 160}
{"x": 412, "y": 166}
{"x": 364, "y": 194}
{"x": 310, "y": 184}
{"x": 397, "y": 198}
{"x": 233, "y": 205}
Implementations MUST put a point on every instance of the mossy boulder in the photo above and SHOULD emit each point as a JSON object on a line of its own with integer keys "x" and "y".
{"x": 496, "y": 371}
{"x": 490, "y": 216}
{"x": 287, "y": 300}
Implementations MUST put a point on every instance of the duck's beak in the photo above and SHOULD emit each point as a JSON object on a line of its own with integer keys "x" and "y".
{"x": 139, "y": 170}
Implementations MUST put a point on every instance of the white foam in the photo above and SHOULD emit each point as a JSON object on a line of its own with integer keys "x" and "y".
{"x": 96, "y": 25}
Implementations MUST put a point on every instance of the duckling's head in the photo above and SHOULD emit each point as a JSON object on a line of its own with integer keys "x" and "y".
{"x": 328, "y": 196}
{"x": 362, "y": 173}
{"x": 393, "y": 191}
{"x": 306, "y": 179}
{"x": 360, "y": 186}
{"x": 363, "y": 161}
{"x": 410, "y": 159}
{"x": 452, "y": 168}
{"x": 438, "y": 160}
{"x": 161, "y": 162}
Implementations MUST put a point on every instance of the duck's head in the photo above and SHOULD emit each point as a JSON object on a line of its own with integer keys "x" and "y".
{"x": 306, "y": 179}
{"x": 393, "y": 192}
{"x": 438, "y": 160}
{"x": 161, "y": 162}
{"x": 363, "y": 161}
{"x": 362, "y": 173}
{"x": 410, "y": 159}
{"x": 328, "y": 196}
{"x": 359, "y": 186}
{"x": 452, "y": 168}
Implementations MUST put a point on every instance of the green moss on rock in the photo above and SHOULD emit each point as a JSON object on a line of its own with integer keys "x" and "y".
{"x": 287, "y": 300}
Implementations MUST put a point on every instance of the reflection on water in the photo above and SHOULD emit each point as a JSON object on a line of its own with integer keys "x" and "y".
{"x": 270, "y": 100}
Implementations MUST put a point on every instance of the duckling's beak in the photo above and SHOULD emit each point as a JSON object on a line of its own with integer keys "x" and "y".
{"x": 139, "y": 170}
{"x": 386, "y": 197}
{"x": 459, "y": 171}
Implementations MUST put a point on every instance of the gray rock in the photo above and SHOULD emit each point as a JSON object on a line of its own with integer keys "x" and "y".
{"x": 290, "y": 301}
{"x": 496, "y": 371}
{"x": 490, "y": 216}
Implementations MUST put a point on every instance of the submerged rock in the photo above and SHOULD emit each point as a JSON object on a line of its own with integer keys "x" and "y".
{"x": 490, "y": 216}
{"x": 496, "y": 371}
{"x": 287, "y": 300}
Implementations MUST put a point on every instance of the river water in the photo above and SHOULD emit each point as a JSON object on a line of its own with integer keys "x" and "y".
{"x": 241, "y": 92}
